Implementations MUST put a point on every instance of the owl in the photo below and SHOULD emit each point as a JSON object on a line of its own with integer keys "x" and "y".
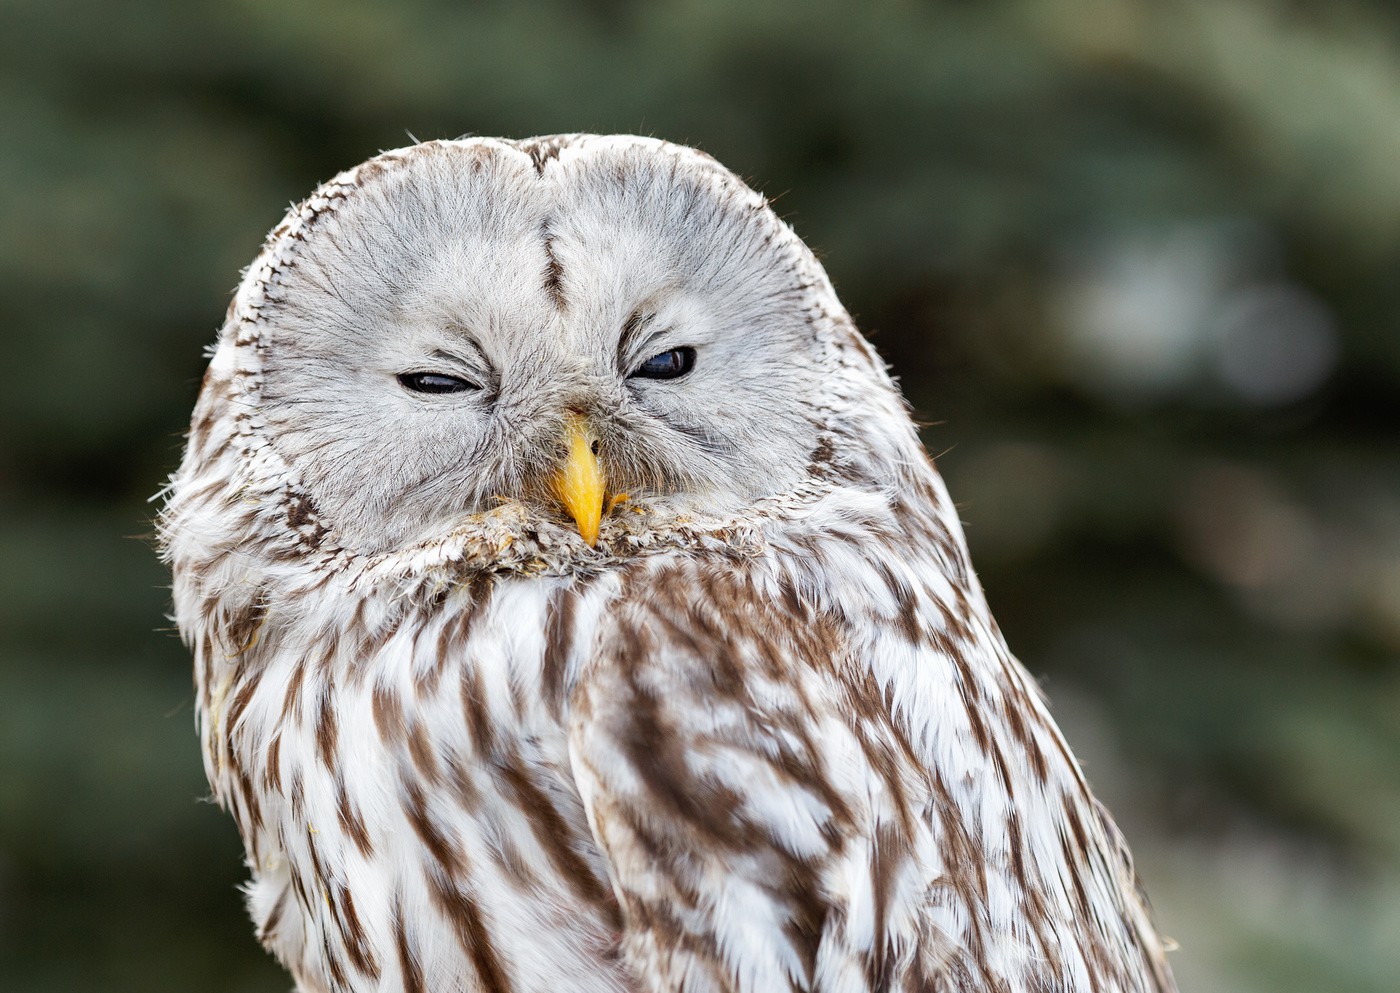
{"x": 574, "y": 609}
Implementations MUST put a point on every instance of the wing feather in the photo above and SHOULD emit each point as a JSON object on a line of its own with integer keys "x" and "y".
{"x": 762, "y": 816}
{"x": 806, "y": 794}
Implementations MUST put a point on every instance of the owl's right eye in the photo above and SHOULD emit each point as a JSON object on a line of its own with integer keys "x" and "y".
{"x": 434, "y": 382}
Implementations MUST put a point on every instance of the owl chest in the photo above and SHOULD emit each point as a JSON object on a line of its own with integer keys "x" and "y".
{"x": 420, "y": 795}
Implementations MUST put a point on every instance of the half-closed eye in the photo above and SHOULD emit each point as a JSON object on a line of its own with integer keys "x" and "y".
{"x": 671, "y": 364}
{"x": 434, "y": 382}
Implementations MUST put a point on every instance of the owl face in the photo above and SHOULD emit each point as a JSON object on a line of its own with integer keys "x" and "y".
{"x": 473, "y": 322}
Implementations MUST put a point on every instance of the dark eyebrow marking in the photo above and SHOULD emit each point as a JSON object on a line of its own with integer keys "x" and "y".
{"x": 637, "y": 324}
{"x": 472, "y": 350}
{"x": 461, "y": 361}
{"x": 481, "y": 371}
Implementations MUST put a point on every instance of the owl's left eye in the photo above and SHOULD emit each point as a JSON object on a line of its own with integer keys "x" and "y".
{"x": 668, "y": 365}
{"x": 434, "y": 382}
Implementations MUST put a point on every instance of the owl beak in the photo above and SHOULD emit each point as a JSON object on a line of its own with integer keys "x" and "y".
{"x": 579, "y": 484}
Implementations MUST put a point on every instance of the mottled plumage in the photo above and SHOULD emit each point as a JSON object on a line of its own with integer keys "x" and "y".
{"x": 763, "y": 736}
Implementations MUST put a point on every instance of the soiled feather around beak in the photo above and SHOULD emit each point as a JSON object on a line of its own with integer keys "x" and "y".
{"x": 579, "y": 484}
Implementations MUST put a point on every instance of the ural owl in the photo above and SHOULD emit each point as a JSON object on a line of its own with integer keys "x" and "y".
{"x": 574, "y": 609}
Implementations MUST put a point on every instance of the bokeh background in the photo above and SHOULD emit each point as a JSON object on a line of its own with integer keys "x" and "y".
{"x": 1135, "y": 262}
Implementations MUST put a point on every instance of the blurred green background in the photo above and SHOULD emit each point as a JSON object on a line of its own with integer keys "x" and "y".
{"x": 1136, "y": 262}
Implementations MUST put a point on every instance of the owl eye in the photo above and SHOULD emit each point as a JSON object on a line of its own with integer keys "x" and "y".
{"x": 668, "y": 365}
{"x": 434, "y": 382}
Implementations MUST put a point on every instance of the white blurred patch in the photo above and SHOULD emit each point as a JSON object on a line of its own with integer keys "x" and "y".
{"x": 1274, "y": 343}
{"x": 1194, "y": 310}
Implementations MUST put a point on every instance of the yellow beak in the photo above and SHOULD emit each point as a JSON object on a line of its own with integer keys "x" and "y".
{"x": 580, "y": 485}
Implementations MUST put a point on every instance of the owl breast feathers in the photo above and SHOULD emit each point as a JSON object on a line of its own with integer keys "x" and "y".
{"x": 574, "y": 608}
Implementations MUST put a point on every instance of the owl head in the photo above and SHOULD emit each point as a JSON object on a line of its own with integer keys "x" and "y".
{"x": 552, "y": 325}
